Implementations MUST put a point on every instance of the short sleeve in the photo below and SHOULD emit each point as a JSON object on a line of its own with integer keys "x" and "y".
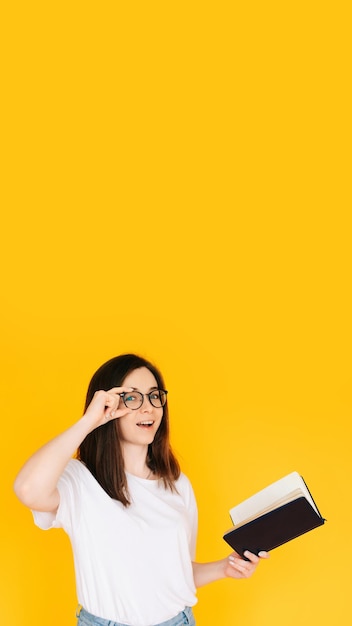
{"x": 192, "y": 511}
{"x": 69, "y": 487}
{"x": 194, "y": 525}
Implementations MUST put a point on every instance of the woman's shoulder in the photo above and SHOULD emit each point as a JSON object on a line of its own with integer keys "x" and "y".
{"x": 75, "y": 469}
{"x": 77, "y": 477}
{"x": 183, "y": 483}
{"x": 183, "y": 478}
{"x": 185, "y": 489}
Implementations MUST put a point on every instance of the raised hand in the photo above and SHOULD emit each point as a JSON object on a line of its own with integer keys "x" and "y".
{"x": 105, "y": 406}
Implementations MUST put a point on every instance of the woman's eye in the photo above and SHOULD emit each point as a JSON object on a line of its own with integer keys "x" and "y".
{"x": 130, "y": 398}
{"x": 155, "y": 395}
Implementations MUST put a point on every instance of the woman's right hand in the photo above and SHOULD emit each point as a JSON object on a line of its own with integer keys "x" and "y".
{"x": 106, "y": 406}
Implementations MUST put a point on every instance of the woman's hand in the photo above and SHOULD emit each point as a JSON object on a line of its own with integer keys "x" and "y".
{"x": 236, "y": 567}
{"x": 105, "y": 406}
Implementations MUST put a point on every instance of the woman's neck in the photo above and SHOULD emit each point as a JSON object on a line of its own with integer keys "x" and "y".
{"x": 135, "y": 460}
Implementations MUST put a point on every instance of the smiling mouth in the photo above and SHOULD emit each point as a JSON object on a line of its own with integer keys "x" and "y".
{"x": 145, "y": 424}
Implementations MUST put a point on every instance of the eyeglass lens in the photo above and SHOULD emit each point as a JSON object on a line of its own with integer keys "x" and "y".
{"x": 134, "y": 400}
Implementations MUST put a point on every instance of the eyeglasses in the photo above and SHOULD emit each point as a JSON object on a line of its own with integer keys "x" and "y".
{"x": 134, "y": 399}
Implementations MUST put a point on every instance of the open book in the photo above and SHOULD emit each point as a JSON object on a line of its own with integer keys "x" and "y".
{"x": 273, "y": 516}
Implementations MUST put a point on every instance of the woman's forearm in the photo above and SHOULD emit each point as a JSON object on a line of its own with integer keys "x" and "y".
{"x": 36, "y": 483}
{"x": 231, "y": 567}
{"x": 204, "y": 573}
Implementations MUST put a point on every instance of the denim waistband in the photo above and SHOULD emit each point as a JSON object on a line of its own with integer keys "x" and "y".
{"x": 182, "y": 618}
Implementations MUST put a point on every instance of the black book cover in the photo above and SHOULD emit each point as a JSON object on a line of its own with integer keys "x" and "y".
{"x": 272, "y": 529}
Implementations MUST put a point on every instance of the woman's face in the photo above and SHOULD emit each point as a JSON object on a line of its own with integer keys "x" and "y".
{"x": 140, "y": 426}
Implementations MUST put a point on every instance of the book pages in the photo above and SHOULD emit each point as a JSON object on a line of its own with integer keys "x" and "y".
{"x": 278, "y": 493}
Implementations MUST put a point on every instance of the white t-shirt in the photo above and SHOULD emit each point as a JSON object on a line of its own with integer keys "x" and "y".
{"x": 133, "y": 564}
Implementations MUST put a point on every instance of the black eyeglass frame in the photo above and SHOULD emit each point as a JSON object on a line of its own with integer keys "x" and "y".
{"x": 143, "y": 395}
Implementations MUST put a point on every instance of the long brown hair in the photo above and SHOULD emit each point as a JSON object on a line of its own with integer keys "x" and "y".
{"x": 101, "y": 450}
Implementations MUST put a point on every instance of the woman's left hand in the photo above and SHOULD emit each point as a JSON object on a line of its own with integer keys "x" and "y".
{"x": 236, "y": 567}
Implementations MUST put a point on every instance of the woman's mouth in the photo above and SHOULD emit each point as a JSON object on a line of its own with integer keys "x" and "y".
{"x": 145, "y": 423}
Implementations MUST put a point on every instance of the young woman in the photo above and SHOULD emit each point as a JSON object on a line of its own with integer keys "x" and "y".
{"x": 129, "y": 511}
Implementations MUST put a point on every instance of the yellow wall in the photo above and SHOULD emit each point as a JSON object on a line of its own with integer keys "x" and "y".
{"x": 175, "y": 183}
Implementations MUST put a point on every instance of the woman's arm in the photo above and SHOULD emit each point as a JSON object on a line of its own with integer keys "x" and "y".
{"x": 231, "y": 567}
{"x": 36, "y": 483}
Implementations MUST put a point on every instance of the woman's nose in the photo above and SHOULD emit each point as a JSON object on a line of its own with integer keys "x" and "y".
{"x": 146, "y": 406}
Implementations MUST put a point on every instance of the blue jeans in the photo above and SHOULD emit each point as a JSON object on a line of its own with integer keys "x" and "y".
{"x": 185, "y": 617}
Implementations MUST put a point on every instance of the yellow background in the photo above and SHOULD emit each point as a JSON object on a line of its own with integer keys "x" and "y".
{"x": 175, "y": 183}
